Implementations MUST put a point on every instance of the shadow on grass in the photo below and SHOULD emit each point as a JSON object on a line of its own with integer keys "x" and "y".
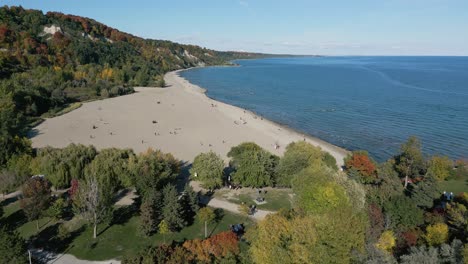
{"x": 15, "y": 220}
{"x": 9, "y": 201}
{"x": 53, "y": 240}
{"x": 120, "y": 216}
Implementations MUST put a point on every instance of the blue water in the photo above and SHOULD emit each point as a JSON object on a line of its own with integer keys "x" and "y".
{"x": 371, "y": 103}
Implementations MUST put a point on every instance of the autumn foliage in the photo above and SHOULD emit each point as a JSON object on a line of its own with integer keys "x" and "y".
{"x": 361, "y": 163}
{"x": 217, "y": 246}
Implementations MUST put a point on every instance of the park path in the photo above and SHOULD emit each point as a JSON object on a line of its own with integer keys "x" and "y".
{"x": 234, "y": 208}
{"x": 53, "y": 258}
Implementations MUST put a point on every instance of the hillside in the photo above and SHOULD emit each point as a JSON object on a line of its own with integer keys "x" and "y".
{"x": 64, "y": 58}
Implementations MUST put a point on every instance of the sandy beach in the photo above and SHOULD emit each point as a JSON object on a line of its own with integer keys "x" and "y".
{"x": 179, "y": 119}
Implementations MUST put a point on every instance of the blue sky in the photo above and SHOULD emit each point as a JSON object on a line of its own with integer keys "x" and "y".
{"x": 327, "y": 27}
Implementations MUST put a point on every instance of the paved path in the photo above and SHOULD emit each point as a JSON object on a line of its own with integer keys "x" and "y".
{"x": 232, "y": 207}
{"x": 52, "y": 258}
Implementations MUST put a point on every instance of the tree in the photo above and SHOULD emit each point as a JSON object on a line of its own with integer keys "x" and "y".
{"x": 436, "y": 234}
{"x": 36, "y": 198}
{"x": 206, "y": 215}
{"x": 7, "y": 181}
{"x": 252, "y": 165}
{"x": 410, "y": 162}
{"x": 297, "y": 156}
{"x": 154, "y": 170}
{"x": 164, "y": 229}
{"x": 189, "y": 203}
{"x": 91, "y": 203}
{"x": 421, "y": 255}
{"x": 111, "y": 170}
{"x": 386, "y": 241}
{"x": 208, "y": 169}
{"x": 149, "y": 216}
{"x": 222, "y": 244}
{"x": 290, "y": 238}
{"x": 440, "y": 167}
{"x": 57, "y": 209}
{"x": 63, "y": 165}
{"x": 219, "y": 246}
{"x": 424, "y": 192}
{"x": 317, "y": 192}
{"x": 172, "y": 210}
{"x": 457, "y": 218}
{"x": 388, "y": 186}
{"x": 403, "y": 213}
{"x": 361, "y": 164}
{"x": 13, "y": 248}
{"x": 376, "y": 221}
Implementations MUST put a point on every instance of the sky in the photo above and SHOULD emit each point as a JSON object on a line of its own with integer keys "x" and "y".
{"x": 307, "y": 27}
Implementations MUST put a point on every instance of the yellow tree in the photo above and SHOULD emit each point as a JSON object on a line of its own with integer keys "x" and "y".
{"x": 436, "y": 234}
{"x": 164, "y": 229}
{"x": 386, "y": 241}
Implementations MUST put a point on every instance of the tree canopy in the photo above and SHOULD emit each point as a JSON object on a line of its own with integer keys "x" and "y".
{"x": 208, "y": 168}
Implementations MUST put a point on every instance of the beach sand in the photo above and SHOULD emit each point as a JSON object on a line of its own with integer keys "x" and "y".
{"x": 179, "y": 119}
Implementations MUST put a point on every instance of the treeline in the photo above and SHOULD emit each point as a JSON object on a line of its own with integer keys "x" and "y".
{"x": 370, "y": 213}
{"x": 252, "y": 166}
{"x": 48, "y": 61}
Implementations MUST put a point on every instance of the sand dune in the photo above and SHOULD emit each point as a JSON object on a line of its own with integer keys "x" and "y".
{"x": 179, "y": 119}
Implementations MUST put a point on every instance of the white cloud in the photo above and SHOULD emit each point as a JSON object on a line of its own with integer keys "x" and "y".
{"x": 244, "y": 3}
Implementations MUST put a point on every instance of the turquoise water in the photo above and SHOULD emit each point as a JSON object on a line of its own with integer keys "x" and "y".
{"x": 371, "y": 103}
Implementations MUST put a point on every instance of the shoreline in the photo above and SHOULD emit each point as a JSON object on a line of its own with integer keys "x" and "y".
{"x": 311, "y": 139}
{"x": 179, "y": 119}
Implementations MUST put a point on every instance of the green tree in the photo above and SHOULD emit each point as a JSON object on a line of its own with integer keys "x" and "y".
{"x": 151, "y": 212}
{"x": 317, "y": 192}
{"x": 154, "y": 170}
{"x": 403, "y": 213}
{"x": 206, "y": 215}
{"x": 189, "y": 203}
{"x": 388, "y": 186}
{"x": 410, "y": 162}
{"x": 424, "y": 192}
{"x": 57, "y": 209}
{"x": 36, "y": 198}
{"x": 13, "y": 249}
{"x": 252, "y": 165}
{"x": 208, "y": 169}
{"x": 297, "y": 156}
{"x": 172, "y": 210}
{"x": 111, "y": 169}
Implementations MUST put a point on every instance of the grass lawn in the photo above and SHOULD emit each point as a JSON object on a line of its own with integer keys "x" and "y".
{"x": 275, "y": 198}
{"x": 113, "y": 242}
{"x": 119, "y": 240}
{"x": 455, "y": 186}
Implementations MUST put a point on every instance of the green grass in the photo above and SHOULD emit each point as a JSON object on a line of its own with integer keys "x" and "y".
{"x": 276, "y": 199}
{"x": 120, "y": 240}
{"x": 455, "y": 186}
{"x": 112, "y": 242}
